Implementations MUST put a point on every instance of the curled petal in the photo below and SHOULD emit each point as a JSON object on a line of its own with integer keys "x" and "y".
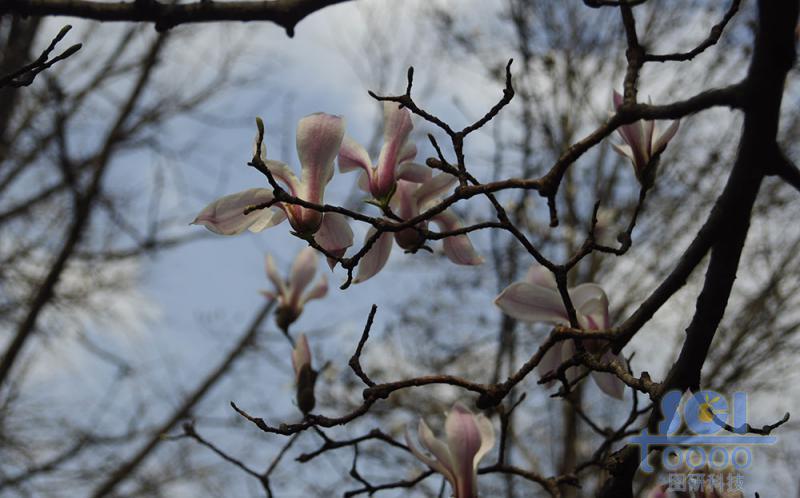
{"x": 319, "y": 138}
{"x": 457, "y": 248}
{"x": 376, "y": 257}
{"x": 225, "y": 216}
{"x": 532, "y": 303}
{"x": 590, "y": 300}
{"x": 334, "y": 235}
{"x": 487, "y": 439}
{"x": 427, "y": 460}
{"x": 353, "y": 156}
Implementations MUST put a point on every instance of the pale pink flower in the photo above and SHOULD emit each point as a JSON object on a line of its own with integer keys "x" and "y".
{"x": 409, "y": 201}
{"x": 643, "y": 146}
{"x": 319, "y": 137}
{"x": 291, "y": 293}
{"x": 394, "y": 161}
{"x": 469, "y": 438}
{"x": 536, "y": 299}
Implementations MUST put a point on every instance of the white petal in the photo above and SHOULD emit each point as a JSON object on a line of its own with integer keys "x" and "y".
{"x": 353, "y": 156}
{"x": 430, "y": 192}
{"x": 319, "y": 291}
{"x": 266, "y": 219}
{"x": 662, "y": 141}
{"x": 591, "y": 301}
{"x": 413, "y": 172}
{"x": 273, "y": 275}
{"x": 303, "y": 270}
{"x": 487, "y": 438}
{"x": 225, "y": 216}
{"x": 334, "y": 235}
{"x": 430, "y": 462}
{"x": 541, "y": 276}
{"x": 283, "y": 173}
{"x": 608, "y": 382}
{"x": 532, "y": 303}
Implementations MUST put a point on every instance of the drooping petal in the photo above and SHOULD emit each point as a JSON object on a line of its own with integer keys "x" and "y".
{"x": 396, "y": 128}
{"x": 413, "y": 172}
{"x": 352, "y": 156}
{"x": 225, "y": 216}
{"x": 608, "y": 382}
{"x": 429, "y": 193}
{"x": 319, "y": 291}
{"x": 532, "y": 303}
{"x": 376, "y": 257}
{"x": 463, "y": 441}
{"x": 487, "y": 439}
{"x": 334, "y": 235}
{"x": 303, "y": 270}
{"x": 268, "y": 218}
{"x": 664, "y": 138}
{"x": 301, "y": 355}
{"x": 458, "y": 248}
{"x": 425, "y": 436}
{"x": 319, "y": 138}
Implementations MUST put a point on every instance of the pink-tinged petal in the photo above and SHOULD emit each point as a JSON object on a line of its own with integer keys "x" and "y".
{"x": 376, "y": 257}
{"x": 407, "y": 153}
{"x": 396, "y": 128}
{"x": 487, "y": 439}
{"x": 648, "y": 129}
{"x": 404, "y": 203}
{"x": 284, "y": 174}
{"x": 662, "y": 141}
{"x": 413, "y": 172}
{"x": 301, "y": 355}
{"x": 352, "y": 156}
{"x": 303, "y": 270}
{"x": 608, "y": 382}
{"x": 319, "y": 138}
{"x": 532, "y": 303}
{"x": 225, "y": 216}
{"x": 441, "y": 462}
{"x": 334, "y": 235}
{"x": 458, "y": 248}
{"x": 463, "y": 441}
{"x": 590, "y": 300}
{"x": 319, "y": 291}
{"x": 539, "y": 275}
{"x": 273, "y": 275}
{"x": 429, "y": 193}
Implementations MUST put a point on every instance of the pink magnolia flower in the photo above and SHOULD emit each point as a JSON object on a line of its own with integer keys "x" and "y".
{"x": 290, "y": 293}
{"x": 319, "y": 137}
{"x": 642, "y": 145}
{"x": 395, "y": 158}
{"x": 305, "y": 375}
{"x": 536, "y": 299}
{"x": 469, "y": 438}
{"x": 409, "y": 201}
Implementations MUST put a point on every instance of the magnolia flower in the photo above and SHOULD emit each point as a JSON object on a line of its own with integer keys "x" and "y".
{"x": 469, "y": 439}
{"x": 304, "y": 373}
{"x": 289, "y": 293}
{"x": 409, "y": 201}
{"x": 319, "y": 137}
{"x": 536, "y": 299}
{"x": 643, "y": 146}
{"x": 394, "y": 160}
